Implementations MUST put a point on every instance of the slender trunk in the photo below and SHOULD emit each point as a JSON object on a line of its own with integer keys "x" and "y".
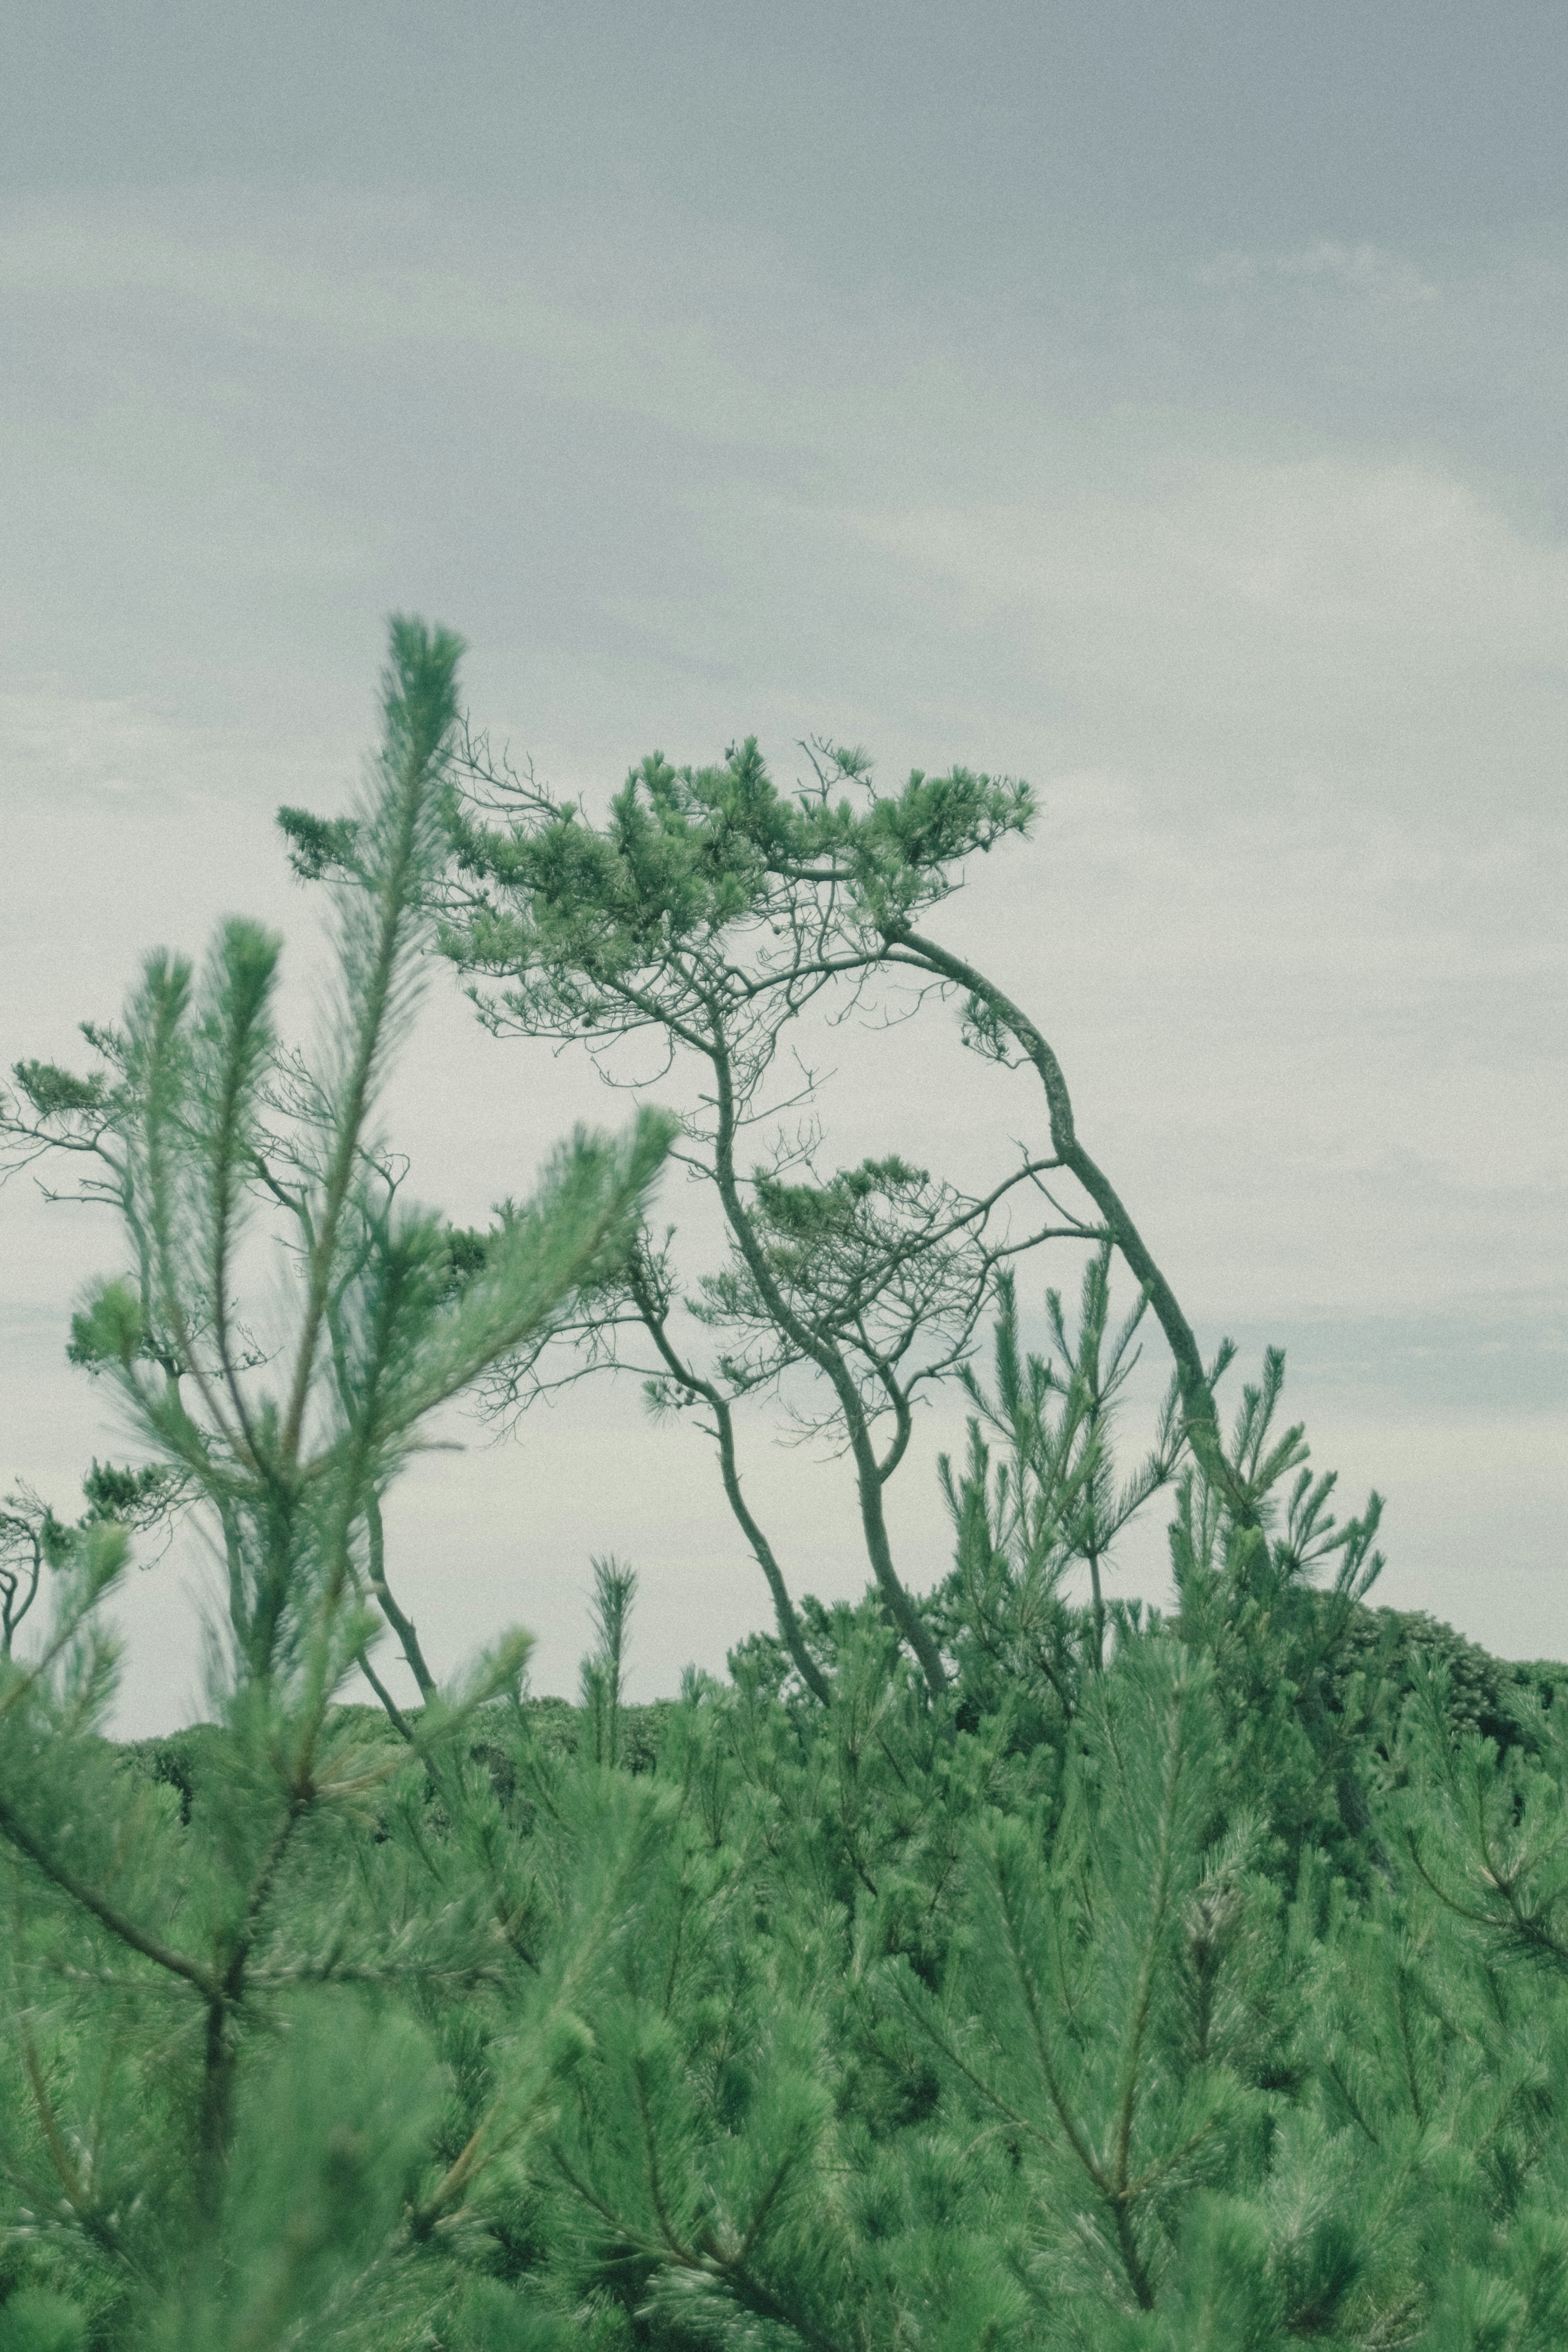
{"x": 1198, "y": 1398}
{"x": 226, "y": 1995}
{"x": 789, "y": 1625}
{"x": 394, "y": 1714}
{"x": 401, "y": 1625}
{"x": 648, "y": 1306}
{"x": 879, "y": 1551}
{"x": 873, "y": 1519}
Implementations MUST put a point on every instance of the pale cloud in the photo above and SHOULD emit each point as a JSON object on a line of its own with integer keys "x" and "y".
{"x": 359, "y": 276}
{"x": 1317, "y": 623}
{"x": 1363, "y": 269}
{"x": 69, "y": 741}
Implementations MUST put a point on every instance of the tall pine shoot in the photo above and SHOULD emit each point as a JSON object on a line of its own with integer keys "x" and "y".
{"x": 252, "y": 2150}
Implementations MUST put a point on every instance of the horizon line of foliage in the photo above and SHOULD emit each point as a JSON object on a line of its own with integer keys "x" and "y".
{"x": 972, "y": 1969}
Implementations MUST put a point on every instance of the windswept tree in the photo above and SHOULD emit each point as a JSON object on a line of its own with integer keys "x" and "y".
{"x": 710, "y": 911}
{"x": 832, "y": 885}
{"x": 707, "y": 914}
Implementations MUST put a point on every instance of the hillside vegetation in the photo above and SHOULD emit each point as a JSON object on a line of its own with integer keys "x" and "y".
{"x": 1006, "y": 1966}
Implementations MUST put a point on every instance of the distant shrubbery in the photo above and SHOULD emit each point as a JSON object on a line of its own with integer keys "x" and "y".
{"x": 1050, "y": 2017}
{"x": 1501, "y": 1699}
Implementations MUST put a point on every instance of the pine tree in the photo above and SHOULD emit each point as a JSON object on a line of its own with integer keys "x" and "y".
{"x": 229, "y": 2124}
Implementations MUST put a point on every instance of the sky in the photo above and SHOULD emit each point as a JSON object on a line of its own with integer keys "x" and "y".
{"x": 1159, "y": 402}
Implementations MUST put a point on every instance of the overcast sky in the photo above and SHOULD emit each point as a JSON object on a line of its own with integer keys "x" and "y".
{"x": 1160, "y": 402}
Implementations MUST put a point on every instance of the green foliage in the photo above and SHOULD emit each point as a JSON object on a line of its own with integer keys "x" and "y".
{"x": 713, "y": 912}
{"x": 965, "y": 2022}
{"x": 993, "y": 1970}
{"x": 231, "y": 2113}
{"x": 32, "y": 2321}
{"x": 603, "y": 1674}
